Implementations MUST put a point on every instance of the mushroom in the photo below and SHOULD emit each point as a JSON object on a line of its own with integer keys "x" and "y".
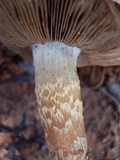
{"x": 58, "y": 32}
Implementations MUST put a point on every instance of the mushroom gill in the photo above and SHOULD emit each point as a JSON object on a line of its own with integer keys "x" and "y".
{"x": 93, "y": 26}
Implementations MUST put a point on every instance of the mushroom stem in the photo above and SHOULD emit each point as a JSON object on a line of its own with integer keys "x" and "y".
{"x": 59, "y": 100}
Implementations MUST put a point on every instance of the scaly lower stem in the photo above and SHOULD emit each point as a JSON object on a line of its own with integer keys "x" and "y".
{"x": 58, "y": 96}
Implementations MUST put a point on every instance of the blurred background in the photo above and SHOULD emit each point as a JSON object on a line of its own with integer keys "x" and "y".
{"x": 21, "y": 134}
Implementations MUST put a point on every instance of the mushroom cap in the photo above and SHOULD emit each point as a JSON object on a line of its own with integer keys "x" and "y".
{"x": 92, "y": 25}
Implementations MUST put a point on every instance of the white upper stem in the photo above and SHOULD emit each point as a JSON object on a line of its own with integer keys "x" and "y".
{"x": 54, "y": 59}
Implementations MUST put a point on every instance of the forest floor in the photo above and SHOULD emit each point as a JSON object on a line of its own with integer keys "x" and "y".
{"x": 21, "y": 133}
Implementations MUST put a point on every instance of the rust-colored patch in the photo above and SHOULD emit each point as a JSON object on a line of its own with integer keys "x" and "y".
{"x": 61, "y": 113}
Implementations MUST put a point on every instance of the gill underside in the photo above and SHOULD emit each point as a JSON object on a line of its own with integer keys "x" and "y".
{"x": 92, "y": 25}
